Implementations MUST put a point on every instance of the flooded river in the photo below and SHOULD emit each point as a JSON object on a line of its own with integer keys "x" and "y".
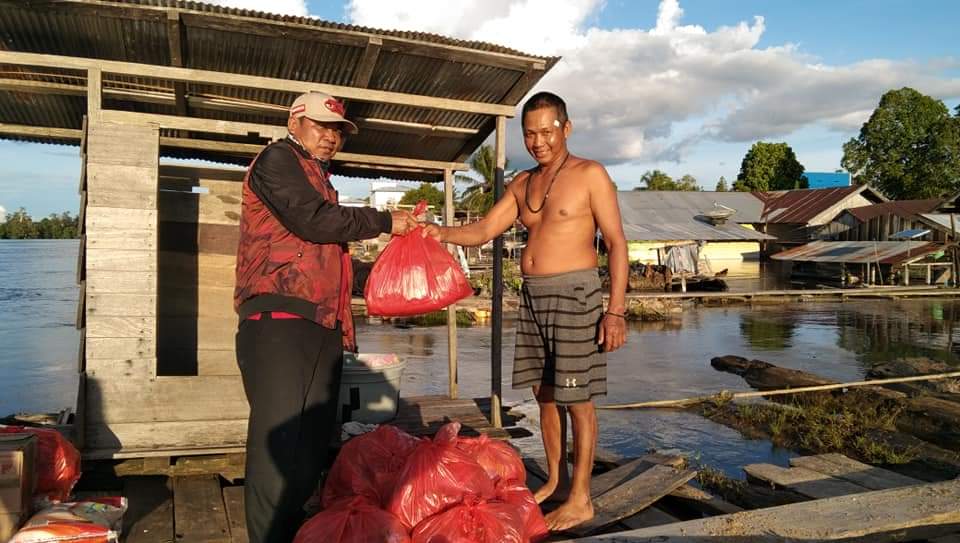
{"x": 662, "y": 360}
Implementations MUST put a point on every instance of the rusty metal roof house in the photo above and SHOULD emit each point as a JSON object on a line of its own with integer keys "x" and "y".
{"x": 131, "y": 81}
{"x": 799, "y": 216}
{"x": 878, "y": 222}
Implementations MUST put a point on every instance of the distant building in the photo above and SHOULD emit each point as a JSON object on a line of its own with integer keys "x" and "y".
{"x": 349, "y": 201}
{"x": 827, "y": 180}
{"x": 386, "y": 194}
{"x": 720, "y": 224}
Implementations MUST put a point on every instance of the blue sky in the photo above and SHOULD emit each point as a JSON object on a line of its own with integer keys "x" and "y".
{"x": 807, "y": 73}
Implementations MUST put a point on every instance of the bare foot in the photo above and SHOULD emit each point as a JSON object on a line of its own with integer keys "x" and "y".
{"x": 573, "y": 512}
{"x": 553, "y": 492}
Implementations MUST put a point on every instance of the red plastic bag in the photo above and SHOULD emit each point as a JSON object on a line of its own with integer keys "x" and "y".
{"x": 498, "y": 458}
{"x": 473, "y": 521}
{"x": 437, "y": 475}
{"x": 414, "y": 275}
{"x": 353, "y": 520}
{"x": 58, "y": 462}
{"x": 522, "y": 500}
{"x": 368, "y": 465}
{"x": 97, "y": 520}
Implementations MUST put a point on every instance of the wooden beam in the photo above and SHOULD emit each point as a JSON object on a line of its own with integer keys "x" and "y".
{"x": 496, "y": 326}
{"x": 175, "y": 42}
{"x": 903, "y": 514}
{"x": 71, "y": 134}
{"x": 452, "y": 310}
{"x": 238, "y": 80}
{"x": 361, "y": 78}
{"x": 94, "y": 96}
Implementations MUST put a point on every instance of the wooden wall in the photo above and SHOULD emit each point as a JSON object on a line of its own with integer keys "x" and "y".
{"x": 157, "y": 262}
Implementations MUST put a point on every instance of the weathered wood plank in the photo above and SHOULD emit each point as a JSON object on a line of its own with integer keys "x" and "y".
{"x": 105, "y": 368}
{"x": 198, "y": 509}
{"x": 120, "y": 348}
{"x": 99, "y": 218}
{"x": 121, "y": 282}
{"x": 104, "y": 440}
{"x": 205, "y": 333}
{"x": 841, "y": 467}
{"x": 123, "y": 199}
{"x": 902, "y": 514}
{"x": 130, "y": 327}
{"x": 121, "y": 305}
{"x": 802, "y": 481}
{"x": 110, "y": 182}
{"x": 110, "y": 143}
{"x": 166, "y": 399}
{"x": 633, "y": 496}
{"x": 191, "y": 301}
{"x": 199, "y": 238}
{"x": 220, "y": 204}
{"x": 236, "y": 514}
{"x": 210, "y": 362}
{"x": 121, "y": 260}
{"x": 605, "y": 482}
{"x": 111, "y": 238}
{"x": 703, "y": 501}
{"x": 203, "y": 270}
{"x": 149, "y": 518}
{"x": 651, "y": 516}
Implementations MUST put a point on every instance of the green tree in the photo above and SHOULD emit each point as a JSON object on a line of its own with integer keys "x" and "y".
{"x": 688, "y": 183}
{"x": 426, "y": 191}
{"x": 770, "y": 166}
{"x": 722, "y": 185}
{"x": 656, "y": 180}
{"x": 19, "y": 225}
{"x": 478, "y": 197}
{"x": 909, "y": 148}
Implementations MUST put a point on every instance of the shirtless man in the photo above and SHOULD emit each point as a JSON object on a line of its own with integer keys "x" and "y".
{"x": 563, "y": 331}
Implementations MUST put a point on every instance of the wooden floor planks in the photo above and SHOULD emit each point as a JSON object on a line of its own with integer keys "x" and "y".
{"x": 198, "y": 509}
{"x": 149, "y": 516}
{"x": 880, "y": 516}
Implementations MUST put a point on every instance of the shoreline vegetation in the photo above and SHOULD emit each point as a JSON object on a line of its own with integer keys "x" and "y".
{"x": 20, "y": 225}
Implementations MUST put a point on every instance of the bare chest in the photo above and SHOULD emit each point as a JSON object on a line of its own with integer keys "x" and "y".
{"x": 542, "y": 202}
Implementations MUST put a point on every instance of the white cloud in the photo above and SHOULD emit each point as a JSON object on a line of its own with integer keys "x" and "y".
{"x": 3, "y": 214}
{"x": 279, "y": 7}
{"x": 628, "y": 88}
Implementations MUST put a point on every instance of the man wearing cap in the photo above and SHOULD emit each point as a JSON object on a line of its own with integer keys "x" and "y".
{"x": 292, "y": 294}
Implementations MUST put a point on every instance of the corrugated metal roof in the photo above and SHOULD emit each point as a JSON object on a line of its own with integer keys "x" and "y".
{"x": 941, "y": 221}
{"x": 749, "y": 208}
{"x": 860, "y": 252}
{"x": 804, "y": 205}
{"x": 230, "y": 40}
{"x": 648, "y": 217}
{"x": 902, "y": 208}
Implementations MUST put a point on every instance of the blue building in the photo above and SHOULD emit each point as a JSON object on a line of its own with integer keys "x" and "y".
{"x": 826, "y": 180}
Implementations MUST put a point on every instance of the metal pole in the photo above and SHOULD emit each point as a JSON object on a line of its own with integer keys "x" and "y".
{"x": 496, "y": 315}
{"x": 452, "y": 310}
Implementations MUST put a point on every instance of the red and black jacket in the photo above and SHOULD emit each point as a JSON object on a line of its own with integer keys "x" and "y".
{"x": 292, "y": 255}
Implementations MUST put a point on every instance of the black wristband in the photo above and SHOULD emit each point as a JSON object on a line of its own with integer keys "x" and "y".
{"x": 624, "y": 317}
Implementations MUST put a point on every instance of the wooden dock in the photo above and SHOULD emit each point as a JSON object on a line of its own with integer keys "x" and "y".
{"x": 651, "y": 498}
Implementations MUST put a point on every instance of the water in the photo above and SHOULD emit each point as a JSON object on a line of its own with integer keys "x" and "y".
{"x": 39, "y": 343}
{"x": 664, "y": 360}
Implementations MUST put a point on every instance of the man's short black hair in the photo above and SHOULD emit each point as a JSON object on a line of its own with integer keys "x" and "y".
{"x": 543, "y": 100}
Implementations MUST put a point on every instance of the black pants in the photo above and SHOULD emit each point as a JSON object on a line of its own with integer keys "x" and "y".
{"x": 291, "y": 374}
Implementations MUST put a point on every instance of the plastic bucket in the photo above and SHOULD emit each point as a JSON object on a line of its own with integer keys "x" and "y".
{"x": 370, "y": 387}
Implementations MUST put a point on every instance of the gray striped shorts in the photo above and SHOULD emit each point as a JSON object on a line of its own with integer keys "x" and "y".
{"x": 557, "y": 336}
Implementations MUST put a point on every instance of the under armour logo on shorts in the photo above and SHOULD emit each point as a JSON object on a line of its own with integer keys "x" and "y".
{"x": 571, "y": 382}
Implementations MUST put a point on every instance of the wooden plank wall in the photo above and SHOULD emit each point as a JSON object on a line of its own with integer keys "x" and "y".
{"x": 158, "y": 305}
{"x": 199, "y": 213}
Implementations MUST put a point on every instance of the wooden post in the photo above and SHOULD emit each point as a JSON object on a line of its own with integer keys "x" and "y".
{"x": 928, "y": 273}
{"x": 452, "y": 310}
{"x": 906, "y": 275}
{"x": 94, "y": 93}
{"x": 683, "y": 281}
{"x": 497, "y": 309}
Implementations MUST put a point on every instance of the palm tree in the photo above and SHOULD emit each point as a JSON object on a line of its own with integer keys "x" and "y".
{"x": 478, "y": 197}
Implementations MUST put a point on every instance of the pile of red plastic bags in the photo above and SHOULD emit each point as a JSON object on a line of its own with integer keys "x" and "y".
{"x": 390, "y": 486}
